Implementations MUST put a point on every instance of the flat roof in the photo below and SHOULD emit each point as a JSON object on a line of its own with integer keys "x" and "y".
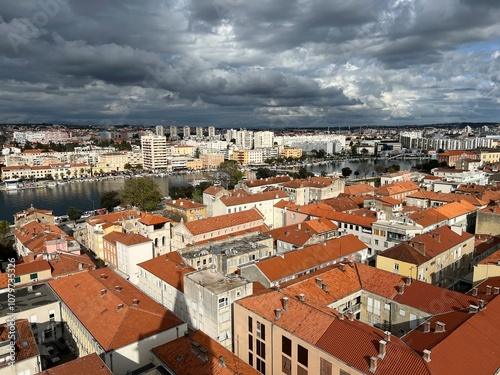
{"x": 216, "y": 282}
{"x": 26, "y": 300}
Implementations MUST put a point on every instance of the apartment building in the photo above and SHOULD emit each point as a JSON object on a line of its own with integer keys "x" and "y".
{"x": 26, "y": 360}
{"x": 441, "y": 257}
{"x": 154, "y": 152}
{"x": 312, "y": 189}
{"x": 130, "y": 323}
{"x": 190, "y": 210}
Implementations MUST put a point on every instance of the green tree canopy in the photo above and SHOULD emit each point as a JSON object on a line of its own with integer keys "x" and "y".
{"x": 264, "y": 173}
{"x": 228, "y": 174}
{"x": 74, "y": 213}
{"x": 142, "y": 192}
{"x": 110, "y": 199}
{"x": 4, "y": 230}
{"x": 184, "y": 191}
{"x": 346, "y": 171}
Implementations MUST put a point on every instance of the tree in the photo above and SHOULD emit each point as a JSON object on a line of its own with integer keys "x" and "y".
{"x": 364, "y": 151}
{"x": 324, "y": 174}
{"x": 74, "y": 213}
{"x": 379, "y": 168}
{"x": 228, "y": 174}
{"x": 393, "y": 168}
{"x": 356, "y": 173}
{"x": 142, "y": 192}
{"x": 364, "y": 168}
{"x": 346, "y": 171}
{"x": 4, "y": 231}
{"x": 110, "y": 199}
{"x": 321, "y": 154}
{"x": 184, "y": 191}
{"x": 264, "y": 173}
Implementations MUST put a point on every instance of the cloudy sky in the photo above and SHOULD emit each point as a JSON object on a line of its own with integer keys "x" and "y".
{"x": 240, "y": 63}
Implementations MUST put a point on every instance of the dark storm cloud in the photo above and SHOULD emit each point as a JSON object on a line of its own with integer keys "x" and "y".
{"x": 240, "y": 63}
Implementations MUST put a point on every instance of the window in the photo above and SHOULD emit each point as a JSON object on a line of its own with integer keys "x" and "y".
{"x": 47, "y": 334}
{"x": 303, "y": 355}
{"x": 376, "y": 307}
{"x": 250, "y": 342}
{"x": 261, "y": 348}
{"x": 261, "y": 331}
{"x": 369, "y": 304}
{"x": 261, "y": 366}
{"x": 17, "y": 279}
{"x": 250, "y": 359}
{"x": 301, "y": 370}
{"x": 33, "y": 321}
{"x": 387, "y": 306}
{"x": 34, "y": 276}
{"x": 52, "y": 315}
{"x": 286, "y": 365}
{"x": 250, "y": 324}
{"x": 342, "y": 372}
{"x": 223, "y": 302}
{"x": 402, "y": 312}
{"x": 396, "y": 267}
{"x": 325, "y": 367}
{"x": 286, "y": 346}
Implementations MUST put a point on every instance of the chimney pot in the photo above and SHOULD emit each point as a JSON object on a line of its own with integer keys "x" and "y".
{"x": 135, "y": 302}
{"x": 427, "y": 355}
{"x": 401, "y": 289}
{"x": 222, "y": 361}
{"x": 382, "y": 349}
{"x": 120, "y": 307}
{"x": 488, "y": 289}
{"x": 481, "y": 304}
{"x": 351, "y": 316}
{"x": 439, "y": 327}
{"x": 341, "y": 315}
{"x": 277, "y": 314}
{"x": 319, "y": 281}
{"x": 427, "y": 327}
{"x": 373, "y": 364}
{"x": 473, "y": 309}
{"x": 496, "y": 290}
{"x": 324, "y": 286}
{"x": 342, "y": 266}
{"x": 474, "y": 291}
{"x": 103, "y": 292}
{"x": 408, "y": 281}
{"x": 302, "y": 297}
{"x": 284, "y": 303}
{"x": 387, "y": 336}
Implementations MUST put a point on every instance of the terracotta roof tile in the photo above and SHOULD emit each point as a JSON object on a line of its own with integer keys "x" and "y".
{"x": 112, "y": 327}
{"x": 299, "y": 234}
{"x": 235, "y": 200}
{"x": 183, "y": 356}
{"x": 359, "y": 189}
{"x": 184, "y": 204}
{"x": 224, "y": 221}
{"x": 131, "y": 239}
{"x": 343, "y": 217}
{"x": 341, "y": 204}
{"x": 267, "y": 181}
{"x": 70, "y": 263}
{"x": 455, "y": 209}
{"x": 32, "y": 267}
{"x": 24, "y": 334}
{"x": 428, "y": 217}
{"x": 150, "y": 219}
{"x": 90, "y": 364}
{"x": 169, "y": 268}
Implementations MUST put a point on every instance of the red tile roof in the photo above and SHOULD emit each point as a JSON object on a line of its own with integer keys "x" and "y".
{"x": 456, "y": 209}
{"x": 359, "y": 189}
{"x": 294, "y": 262}
{"x": 114, "y": 327}
{"x": 341, "y": 204}
{"x": 114, "y": 217}
{"x": 428, "y": 217}
{"x": 397, "y": 188}
{"x": 66, "y": 264}
{"x": 343, "y": 217}
{"x": 131, "y": 239}
{"x": 299, "y": 234}
{"x": 235, "y": 200}
{"x": 32, "y": 267}
{"x": 25, "y": 344}
{"x": 212, "y": 190}
{"x": 184, "y": 356}
{"x": 150, "y": 219}
{"x": 169, "y": 268}
{"x": 224, "y": 221}
{"x": 90, "y": 364}
{"x": 267, "y": 181}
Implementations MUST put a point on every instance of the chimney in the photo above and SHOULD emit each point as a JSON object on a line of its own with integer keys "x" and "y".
{"x": 118, "y": 288}
{"x": 103, "y": 292}
{"x": 319, "y": 281}
{"x": 382, "y": 348}
{"x": 427, "y": 327}
{"x": 480, "y": 304}
{"x": 351, "y": 316}
{"x": 488, "y": 289}
{"x": 302, "y": 297}
{"x": 373, "y": 364}
{"x": 496, "y": 290}
{"x": 473, "y": 309}
{"x": 284, "y": 303}
{"x": 298, "y": 226}
{"x": 222, "y": 361}
{"x": 120, "y": 307}
{"x": 351, "y": 263}
{"x": 135, "y": 302}
{"x": 341, "y": 315}
{"x": 387, "y": 336}
{"x": 439, "y": 327}
{"x": 408, "y": 281}
{"x": 474, "y": 291}
{"x": 401, "y": 289}
{"x": 277, "y": 314}
{"x": 342, "y": 266}
{"x": 427, "y": 355}
{"x": 325, "y": 287}
{"x": 419, "y": 246}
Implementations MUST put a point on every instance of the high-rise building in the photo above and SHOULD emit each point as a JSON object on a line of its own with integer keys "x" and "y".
{"x": 173, "y": 132}
{"x": 211, "y": 131}
{"x": 160, "y": 130}
{"x": 199, "y": 132}
{"x": 186, "y": 132}
{"x": 263, "y": 139}
{"x": 154, "y": 151}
